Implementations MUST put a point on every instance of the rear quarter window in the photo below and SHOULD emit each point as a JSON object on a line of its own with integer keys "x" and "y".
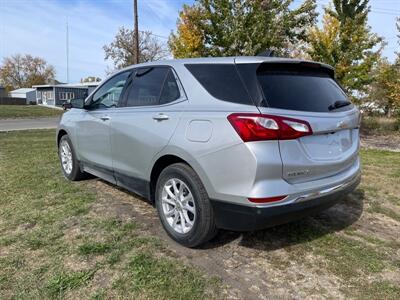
{"x": 222, "y": 81}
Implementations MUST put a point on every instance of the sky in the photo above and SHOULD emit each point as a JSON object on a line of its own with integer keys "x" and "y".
{"x": 38, "y": 27}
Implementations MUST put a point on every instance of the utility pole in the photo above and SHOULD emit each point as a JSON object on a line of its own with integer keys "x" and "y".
{"x": 67, "y": 50}
{"x": 136, "y": 33}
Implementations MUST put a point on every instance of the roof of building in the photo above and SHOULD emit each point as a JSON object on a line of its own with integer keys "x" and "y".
{"x": 83, "y": 84}
{"x": 80, "y": 85}
{"x": 22, "y": 91}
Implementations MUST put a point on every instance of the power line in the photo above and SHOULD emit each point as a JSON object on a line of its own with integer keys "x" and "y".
{"x": 386, "y": 9}
{"x": 384, "y": 13}
{"x": 157, "y": 35}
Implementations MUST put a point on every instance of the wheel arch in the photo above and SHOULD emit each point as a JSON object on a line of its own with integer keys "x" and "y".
{"x": 67, "y": 131}
{"x": 60, "y": 134}
{"x": 166, "y": 159}
{"x": 160, "y": 164}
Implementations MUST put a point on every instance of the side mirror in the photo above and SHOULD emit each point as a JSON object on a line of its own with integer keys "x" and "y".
{"x": 74, "y": 103}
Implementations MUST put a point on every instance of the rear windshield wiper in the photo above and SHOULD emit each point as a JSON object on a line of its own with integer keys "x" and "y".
{"x": 338, "y": 104}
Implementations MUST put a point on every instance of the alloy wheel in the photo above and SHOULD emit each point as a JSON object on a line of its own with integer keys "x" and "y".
{"x": 178, "y": 205}
{"x": 66, "y": 157}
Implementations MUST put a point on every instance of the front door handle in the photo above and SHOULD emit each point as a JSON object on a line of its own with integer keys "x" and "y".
{"x": 105, "y": 118}
{"x": 160, "y": 117}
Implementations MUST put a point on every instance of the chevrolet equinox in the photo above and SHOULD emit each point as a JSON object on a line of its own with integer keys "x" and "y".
{"x": 237, "y": 143}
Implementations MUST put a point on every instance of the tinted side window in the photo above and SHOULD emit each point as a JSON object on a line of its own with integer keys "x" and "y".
{"x": 222, "y": 81}
{"x": 108, "y": 95}
{"x": 146, "y": 87}
{"x": 170, "y": 91}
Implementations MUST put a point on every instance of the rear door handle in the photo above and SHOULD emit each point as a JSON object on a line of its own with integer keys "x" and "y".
{"x": 105, "y": 118}
{"x": 160, "y": 117}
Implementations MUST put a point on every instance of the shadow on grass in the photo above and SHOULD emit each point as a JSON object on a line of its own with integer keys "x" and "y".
{"x": 338, "y": 217}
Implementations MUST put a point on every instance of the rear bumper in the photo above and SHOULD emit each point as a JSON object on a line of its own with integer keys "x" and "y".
{"x": 246, "y": 218}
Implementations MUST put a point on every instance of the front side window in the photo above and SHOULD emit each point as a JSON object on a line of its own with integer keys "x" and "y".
{"x": 109, "y": 93}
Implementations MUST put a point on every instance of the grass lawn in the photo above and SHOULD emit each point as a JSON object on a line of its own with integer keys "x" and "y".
{"x": 53, "y": 244}
{"x": 27, "y": 111}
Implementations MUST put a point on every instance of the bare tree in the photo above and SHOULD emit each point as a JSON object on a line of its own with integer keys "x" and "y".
{"x": 121, "y": 49}
{"x": 20, "y": 71}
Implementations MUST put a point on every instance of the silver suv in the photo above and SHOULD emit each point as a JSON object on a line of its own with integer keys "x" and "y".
{"x": 238, "y": 143}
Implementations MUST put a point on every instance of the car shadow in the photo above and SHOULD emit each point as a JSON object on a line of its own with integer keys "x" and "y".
{"x": 338, "y": 217}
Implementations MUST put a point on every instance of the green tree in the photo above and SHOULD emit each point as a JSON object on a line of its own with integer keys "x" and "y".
{"x": 398, "y": 37}
{"x": 346, "y": 42}
{"x": 385, "y": 89}
{"x": 189, "y": 41}
{"x": 240, "y": 27}
{"x": 394, "y": 85}
{"x": 19, "y": 71}
{"x": 121, "y": 51}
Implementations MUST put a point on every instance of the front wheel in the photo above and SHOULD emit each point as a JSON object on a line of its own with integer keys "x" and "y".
{"x": 69, "y": 163}
{"x": 183, "y": 206}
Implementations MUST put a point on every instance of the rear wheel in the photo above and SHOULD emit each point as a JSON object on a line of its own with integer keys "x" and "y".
{"x": 69, "y": 163}
{"x": 183, "y": 206}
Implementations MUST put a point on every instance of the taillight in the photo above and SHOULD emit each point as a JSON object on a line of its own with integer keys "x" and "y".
{"x": 260, "y": 127}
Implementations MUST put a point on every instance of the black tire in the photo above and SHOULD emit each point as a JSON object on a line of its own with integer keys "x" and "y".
{"x": 204, "y": 227}
{"x": 76, "y": 173}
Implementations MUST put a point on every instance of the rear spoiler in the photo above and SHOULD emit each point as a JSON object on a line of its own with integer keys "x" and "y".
{"x": 276, "y": 61}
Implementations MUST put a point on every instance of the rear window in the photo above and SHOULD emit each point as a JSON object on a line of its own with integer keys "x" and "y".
{"x": 222, "y": 81}
{"x": 296, "y": 88}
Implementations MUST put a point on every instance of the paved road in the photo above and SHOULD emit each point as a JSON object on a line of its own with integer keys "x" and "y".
{"x": 23, "y": 124}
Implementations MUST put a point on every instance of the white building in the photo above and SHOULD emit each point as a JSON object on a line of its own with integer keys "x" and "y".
{"x": 25, "y": 93}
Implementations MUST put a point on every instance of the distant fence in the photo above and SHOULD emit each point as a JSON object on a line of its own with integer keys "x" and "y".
{"x": 12, "y": 101}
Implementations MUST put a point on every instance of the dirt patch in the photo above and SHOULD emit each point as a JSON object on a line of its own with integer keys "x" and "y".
{"x": 381, "y": 142}
{"x": 263, "y": 264}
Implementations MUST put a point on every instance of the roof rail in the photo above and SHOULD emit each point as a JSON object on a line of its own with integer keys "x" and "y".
{"x": 267, "y": 53}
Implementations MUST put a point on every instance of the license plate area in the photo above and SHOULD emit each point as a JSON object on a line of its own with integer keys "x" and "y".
{"x": 328, "y": 146}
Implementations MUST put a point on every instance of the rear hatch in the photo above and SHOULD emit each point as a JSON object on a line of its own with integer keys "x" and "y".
{"x": 308, "y": 92}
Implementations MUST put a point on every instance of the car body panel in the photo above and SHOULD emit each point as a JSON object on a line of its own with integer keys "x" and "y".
{"x": 93, "y": 137}
{"x": 332, "y": 148}
{"x": 136, "y": 137}
{"x": 198, "y": 132}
